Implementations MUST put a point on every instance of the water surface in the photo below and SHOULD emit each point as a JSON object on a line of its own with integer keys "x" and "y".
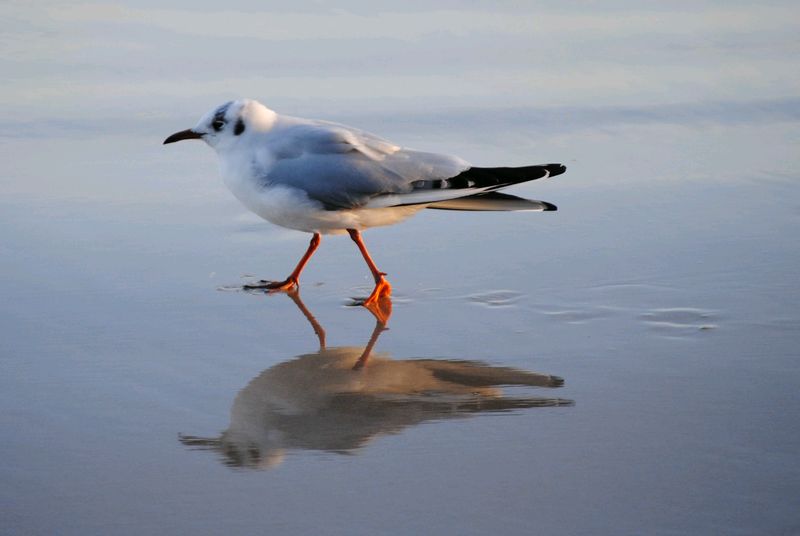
{"x": 625, "y": 365}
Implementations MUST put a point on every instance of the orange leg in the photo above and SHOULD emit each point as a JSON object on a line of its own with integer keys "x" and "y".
{"x": 382, "y": 286}
{"x": 293, "y": 279}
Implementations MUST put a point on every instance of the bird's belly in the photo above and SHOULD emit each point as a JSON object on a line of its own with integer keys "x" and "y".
{"x": 293, "y": 209}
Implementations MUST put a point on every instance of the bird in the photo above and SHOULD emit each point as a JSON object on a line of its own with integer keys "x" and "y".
{"x": 322, "y": 177}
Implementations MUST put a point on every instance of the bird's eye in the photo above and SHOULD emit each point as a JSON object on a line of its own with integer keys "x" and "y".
{"x": 218, "y": 124}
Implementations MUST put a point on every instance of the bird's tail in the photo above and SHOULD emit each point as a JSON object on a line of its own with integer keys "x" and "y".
{"x": 475, "y": 189}
{"x": 491, "y": 179}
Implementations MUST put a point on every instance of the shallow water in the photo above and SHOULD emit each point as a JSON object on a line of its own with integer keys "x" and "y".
{"x": 140, "y": 396}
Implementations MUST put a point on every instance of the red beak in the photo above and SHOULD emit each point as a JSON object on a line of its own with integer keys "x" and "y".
{"x": 187, "y": 134}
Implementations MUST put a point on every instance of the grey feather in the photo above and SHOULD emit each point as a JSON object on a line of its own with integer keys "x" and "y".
{"x": 345, "y": 168}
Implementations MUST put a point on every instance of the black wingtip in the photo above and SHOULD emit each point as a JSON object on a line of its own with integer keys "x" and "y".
{"x": 549, "y": 207}
{"x": 500, "y": 177}
{"x": 555, "y": 169}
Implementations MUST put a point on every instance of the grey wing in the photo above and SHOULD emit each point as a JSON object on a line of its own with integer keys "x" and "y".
{"x": 346, "y": 168}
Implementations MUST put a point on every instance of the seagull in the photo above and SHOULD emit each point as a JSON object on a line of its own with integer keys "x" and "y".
{"x": 325, "y": 178}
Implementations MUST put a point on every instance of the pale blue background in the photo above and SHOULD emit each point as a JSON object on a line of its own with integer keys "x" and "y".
{"x": 664, "y": 290}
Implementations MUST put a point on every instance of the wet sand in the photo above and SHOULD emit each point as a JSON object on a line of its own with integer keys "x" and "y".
{"x": 624, "y": 365}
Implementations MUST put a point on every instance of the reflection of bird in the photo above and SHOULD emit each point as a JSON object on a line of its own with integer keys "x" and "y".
{"x": 333, "y": 400}
{"x": 325, "y": 178}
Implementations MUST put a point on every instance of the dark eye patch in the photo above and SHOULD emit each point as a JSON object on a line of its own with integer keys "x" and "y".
{"x": 239, "y": 128}
{"x": 219, "y": 117}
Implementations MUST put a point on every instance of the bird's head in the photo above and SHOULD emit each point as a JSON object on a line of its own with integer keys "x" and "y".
{"x": 228, "y": 124}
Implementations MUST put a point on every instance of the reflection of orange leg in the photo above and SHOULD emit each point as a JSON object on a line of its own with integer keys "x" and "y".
{"x": 382, "y": 286}
{"x": 294, "y": 294}
{"x": 293, "y": 279}
{"x": 380, "y": 326}
{"x": 381, "y": 309}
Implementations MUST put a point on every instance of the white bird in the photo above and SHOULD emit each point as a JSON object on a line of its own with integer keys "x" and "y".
{"x": 326, "y": 178}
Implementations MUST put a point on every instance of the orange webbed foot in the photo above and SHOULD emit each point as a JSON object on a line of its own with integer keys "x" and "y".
{"x": 382, "y": 289}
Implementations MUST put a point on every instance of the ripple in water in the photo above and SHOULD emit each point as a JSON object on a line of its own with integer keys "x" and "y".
{"x": 680, "y": 320}
{"x": 496, "y": 298}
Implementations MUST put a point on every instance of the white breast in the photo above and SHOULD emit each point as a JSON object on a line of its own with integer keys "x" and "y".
{"x": 293, "y": 209}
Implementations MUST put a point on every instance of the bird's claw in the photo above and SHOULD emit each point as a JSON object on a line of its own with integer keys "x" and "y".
{"x": 382, "y": 289}
{"x": 273, "y": 286}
